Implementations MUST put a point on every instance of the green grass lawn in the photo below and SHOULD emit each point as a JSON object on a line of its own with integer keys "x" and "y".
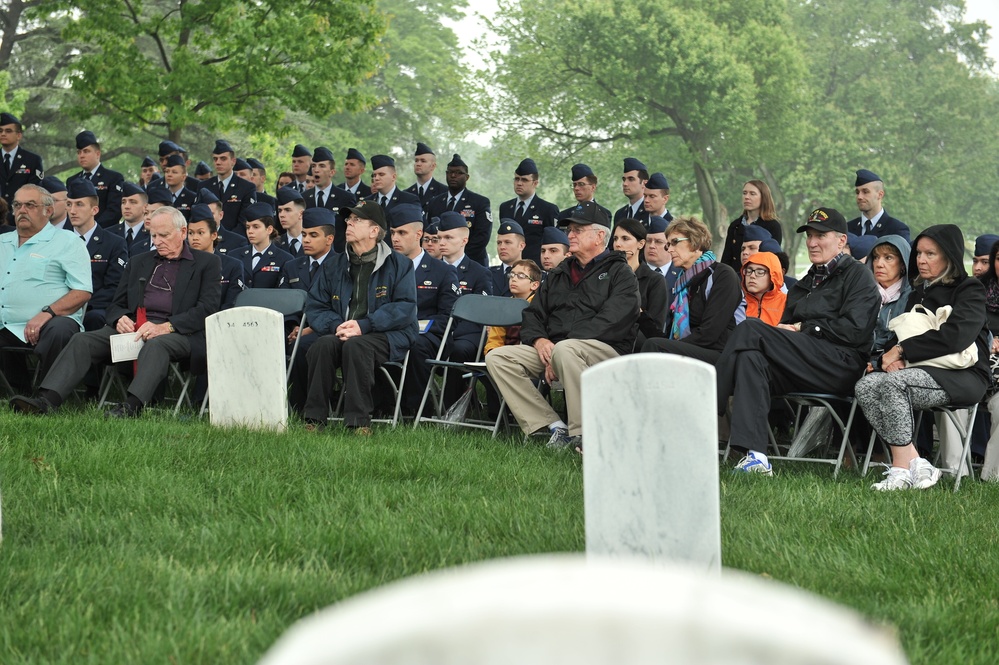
{"x": 158, "y": 541}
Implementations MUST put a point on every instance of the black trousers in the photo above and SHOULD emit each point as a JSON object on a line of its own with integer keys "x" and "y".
{"x": 418, "y": 372}
{"x": 358, "y": 358}
{"x": 760, "y": 360}
{"x": 680, "y": 348}
{"x": 52, "y": 339}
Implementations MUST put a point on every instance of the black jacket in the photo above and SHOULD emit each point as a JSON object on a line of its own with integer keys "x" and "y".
{"x": 539, "y": 214}
{"x": 842, "y": 310}
{"x": 967, "y": 324}
{"x": 108, "y": 185}
{"x": 26, "y": 169}
{"x": 712, "y": 315}
{"x": 476, "y": 211}
{"x": 732, "y": 250}
{"x": 655, "y": 301}
{"x": 604, "y": 305}
{"x": 887, "y": 225}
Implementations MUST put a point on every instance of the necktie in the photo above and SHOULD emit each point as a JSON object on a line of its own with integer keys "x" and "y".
{"x": 87, "y": 176}
{"x": 83, "y": 238}
{"x": 867, "y": 227}
{"x": 221, "y": 189}
{"x": 6, "y": 163}
{"x": 294, "y": 245}
{"x": 520, "y": 211}
{"x": 423, "y": 190}
{"x": 384, "y": 201}
{"x": 451, "y": 202}
{"x": 313, "y": 270}
{"x": 659, "y": 270}
{"x": 129, "y": 237}
{"x": 255, "y": 261}
{"x": 319, "y": 199}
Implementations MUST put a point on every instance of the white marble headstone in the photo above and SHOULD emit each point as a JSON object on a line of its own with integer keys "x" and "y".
{"x": 650, "y": 463}
{"x": 571, "y": 610}
{"x": 246, "y": 368}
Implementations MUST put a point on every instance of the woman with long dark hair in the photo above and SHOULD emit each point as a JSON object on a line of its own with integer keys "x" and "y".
{"x": 757, "y": 208}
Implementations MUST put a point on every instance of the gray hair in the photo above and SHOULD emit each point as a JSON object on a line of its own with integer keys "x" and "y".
{"x": 47, "y": 199}
{"x": 606, "y": 231}
{"x": 176, "y": 216}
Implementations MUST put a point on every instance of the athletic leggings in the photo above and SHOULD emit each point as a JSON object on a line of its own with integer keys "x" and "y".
{"x": 889, "y": 398}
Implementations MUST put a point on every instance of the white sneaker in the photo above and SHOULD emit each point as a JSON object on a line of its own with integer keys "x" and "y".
{"x": 924, "y": 475}
{"x": 896, "y": 478}
{"x": 755, "y": 462}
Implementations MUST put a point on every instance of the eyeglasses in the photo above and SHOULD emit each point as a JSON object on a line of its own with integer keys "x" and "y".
{"x": 29, "y": 205}
{"x": 158, "y": 280}
{"x": 758, "y": 272}
{"x": 518, "y": 275}
{"x": 675, "y": 241}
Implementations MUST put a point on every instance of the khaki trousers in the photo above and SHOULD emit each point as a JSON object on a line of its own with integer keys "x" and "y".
{"x": 515, "y": 368}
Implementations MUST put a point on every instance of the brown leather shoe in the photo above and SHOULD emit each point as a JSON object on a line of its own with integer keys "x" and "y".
{"x": 362, "y": 431}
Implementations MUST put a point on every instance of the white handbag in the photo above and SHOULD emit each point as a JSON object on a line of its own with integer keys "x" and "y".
{"x": 919, "y": 320}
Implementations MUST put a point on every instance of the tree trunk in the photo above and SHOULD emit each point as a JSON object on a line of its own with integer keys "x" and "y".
{"x": 714, "y": 211}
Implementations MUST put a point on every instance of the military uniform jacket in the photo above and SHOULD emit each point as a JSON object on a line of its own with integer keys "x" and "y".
{"x": 398, "y": 196}
{"x": 642, "y": 215}
{"x": 232, "y": 280}
{"x": 185, "y": 199}
{"x": 436, "y": 292}
{"x": 338, "y": 198}
{"x": 433, "y": 188}
{"x": 268, "y": 274}
{"x": 391, "y": 299}
{"x": 141, "y": 241}
{"x": 238, "y": 196}
{"x": 539, "y": 214}
{"x": 195, "y": 297}
{"x": 108, "y": 258}
{"x": 473, "y": 277}
{"x": 108, "y": 185}
{"x": 296, "y": 273}
{"x": 887, "y": 225}
{"x": 501, "y": 283}
{"x": 284, "y": 242}
{"x": 230, "y": 243}
{"x": 25, "y": 169}
{"x": 475, "y": 209}
{"x": 363, "y": 191}
{"x": 190, "y": 182}
{"x": 264, "y": 197}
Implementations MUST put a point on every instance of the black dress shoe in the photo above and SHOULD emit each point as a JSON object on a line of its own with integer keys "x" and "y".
{"x": 36, "y": 405}
{"x": 123, "y": 410}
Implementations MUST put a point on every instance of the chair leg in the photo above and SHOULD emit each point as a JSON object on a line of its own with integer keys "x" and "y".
{"x": 966, "y": 447}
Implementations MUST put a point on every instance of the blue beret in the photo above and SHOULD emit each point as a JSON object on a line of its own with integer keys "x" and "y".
{"x": 286, "y": 195}
{"x": 862, "y": 245}
{"x": 772, "y": 246}
{"x": 434, "y": 227}
{"x": 159, "y": 195}
{"x": 206, "y": 195}
{"x": 9, "y": 119}
{"x": 259, "y": 210}
{"x": 177, "y": 160}
{"x": 451, "y": 220}
{"x": 81, "y": 188}
{"x": 241, "y": 165}
{"x": 221, "y": 147}
{"x": 147, "y": 161}
{"x": 527, "y": 167}
{"x": 657, "y": 224}
{"x": 300, "y": 151}
{"x": 354, "y": 153}
{"x": 423, "y": 149}
{"x": 581, "y": 171}
{"x": 255, "y": 163}
{"x": 632, "y": 164}
{"x": 754, "y": 232}
{"x": 508, "y": 226}
{"x": 378, "y": 161}
{"x": 456, "y": 162}
{"x": 52, "y": 184}
{"x": 129, "y": 189}
{"x": 864, "y": 176}
{"x": 366, "y": 210}
{"x": 202, "y": 169}
{"x": 85, "y": 138}
{"x": 553, "y": 235}
{"x": 657, "y": 181}
{"x": 323, "y": 155}
{"x": 983, "y": 244}
{"x": 404, "y": 213}
{"x": 200, "y": 212}
{"x": 314, "y": 217}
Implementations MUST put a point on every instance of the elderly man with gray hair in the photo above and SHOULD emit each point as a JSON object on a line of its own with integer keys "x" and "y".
{"x": 173, "y": 289}
{"x": 585, "y": 312}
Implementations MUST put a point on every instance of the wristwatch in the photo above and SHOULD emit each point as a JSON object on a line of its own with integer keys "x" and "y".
{"x": 48, "y": 310}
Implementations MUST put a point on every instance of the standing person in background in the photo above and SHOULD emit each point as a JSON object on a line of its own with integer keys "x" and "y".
{"x": 757, "y": 208}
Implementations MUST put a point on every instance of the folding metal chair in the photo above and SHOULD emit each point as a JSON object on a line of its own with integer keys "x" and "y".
{"x": 386, "y": 371}
{"x": 178, "y": 375}
{"x": 287, "y": 302}
{"x": 480, "y": 310}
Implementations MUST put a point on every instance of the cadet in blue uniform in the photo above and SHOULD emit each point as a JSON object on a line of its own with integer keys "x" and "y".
{"x": 148, "y": 171}
{"x": 584, "y": 187}
{"x": 262, "y": 261}
{"x": 656, "y": 198}
{"x": 510, "y": 249}
{"x": 327, "y": 195}
{"x": 54, "y": 186}
{"x": 636, "y": 174}
{"x": 473, "y": 207}
{"x": 202, "y": 172}
{"x": 436, "y": 292}
{"x": 426, "y": 186}
{"x": 235, "y": 193}
{"x": 174, "y": 179}
{"x": 107, "y": 182}
{"x": 353, "y": 168}
{"x": 202, "y": 234}
{"x": 554, "y": 248}
{"x": 228, "y": 240}
{"x": 132, "y": 227}
{"x": 533, "y": 213}
{"x": 169, "y": 149}
{"x": 874, "y": 219}
{"x": 472, "y": 278}
{"x": 291, "y": 205}
{"x": 383, "y": 185}
{"x": 301, "y": 162}
{"x": 108, "y": 254}
{"x": 258, "y": 176}
{"x": 17, "y": 166}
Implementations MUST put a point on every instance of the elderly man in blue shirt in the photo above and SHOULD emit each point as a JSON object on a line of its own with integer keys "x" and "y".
{"x": 44, "y": 283}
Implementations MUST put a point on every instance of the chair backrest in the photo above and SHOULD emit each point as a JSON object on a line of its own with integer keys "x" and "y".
{"x": 489, "y": 310}
{"x": 288, "y": 302}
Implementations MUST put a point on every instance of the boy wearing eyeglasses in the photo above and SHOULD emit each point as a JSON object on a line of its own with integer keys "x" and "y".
{"x": 762, "y": 279}
{"x": 525, "y": 280}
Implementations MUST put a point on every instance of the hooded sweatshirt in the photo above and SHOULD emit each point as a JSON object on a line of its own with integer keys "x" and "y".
{"x": 889, "y": 310}
{"x": 768, "y": 306}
